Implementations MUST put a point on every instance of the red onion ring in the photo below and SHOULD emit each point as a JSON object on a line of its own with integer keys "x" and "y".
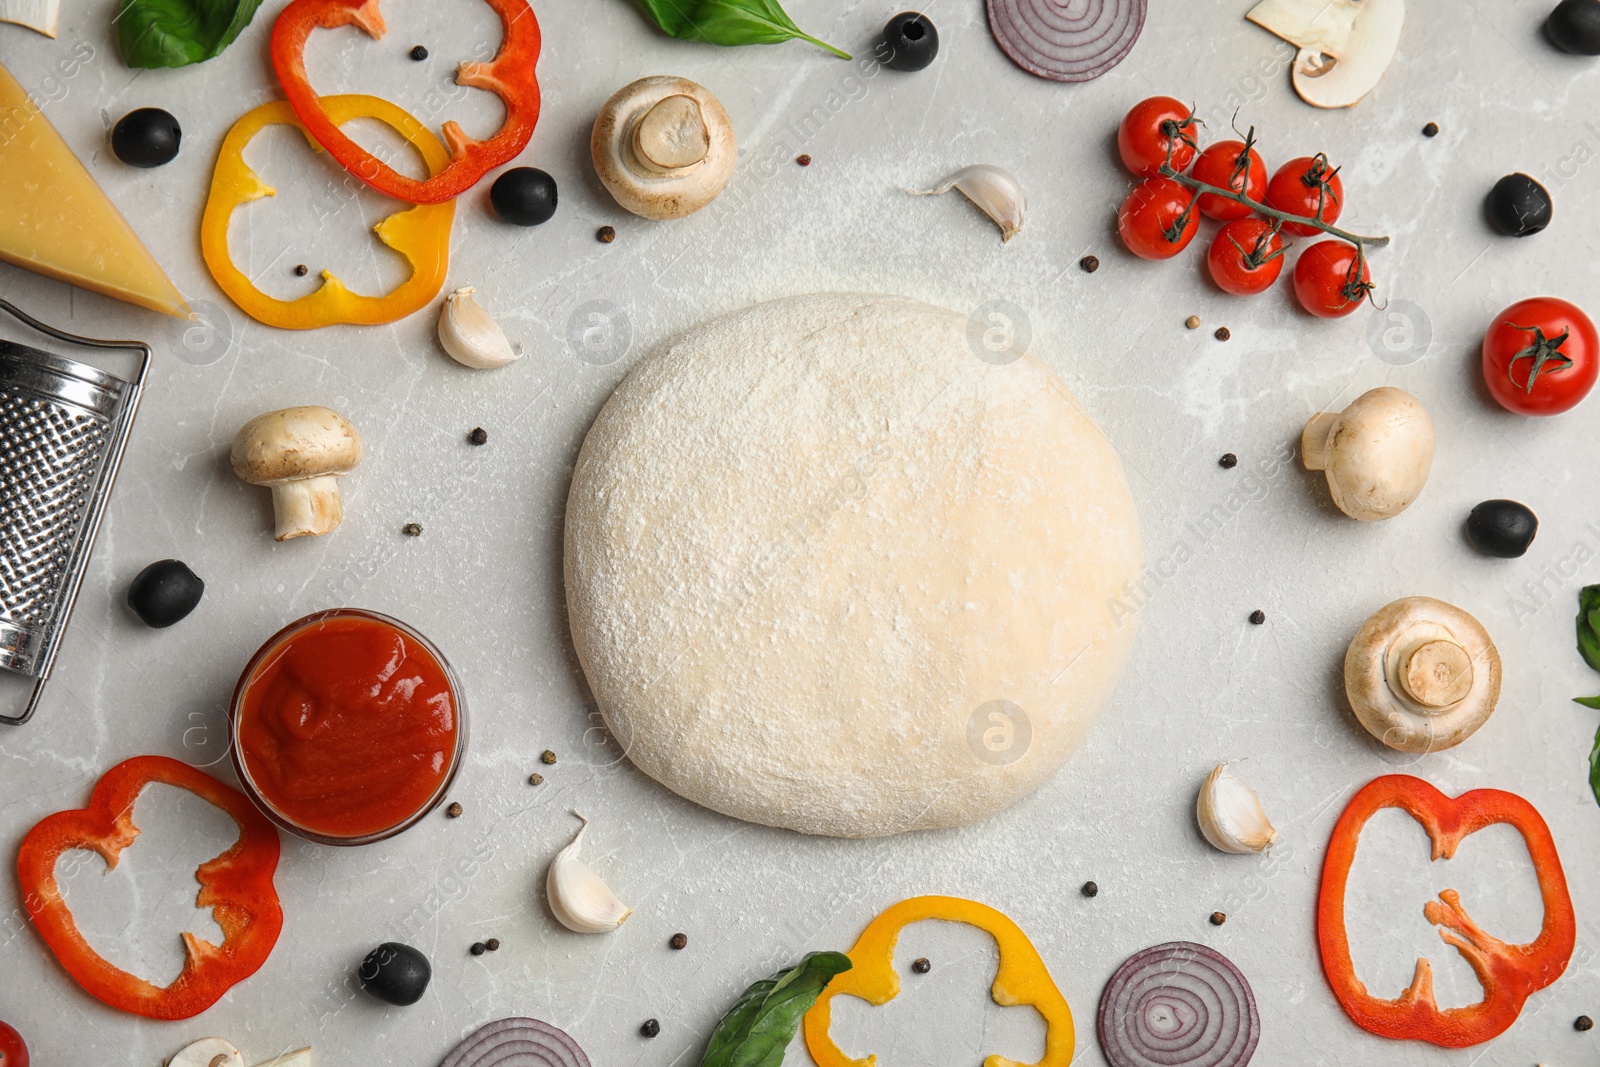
{"x": 1178, "y": 1005}
{"x": 1066, "y": 40}
{"x": 517, "y": 1043}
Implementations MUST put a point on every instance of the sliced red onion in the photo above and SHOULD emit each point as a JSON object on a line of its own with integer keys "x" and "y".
{"x": 517, "y": 1043}
{"x": 1066, "y": 40}
{"x": 1178, "y": 1005}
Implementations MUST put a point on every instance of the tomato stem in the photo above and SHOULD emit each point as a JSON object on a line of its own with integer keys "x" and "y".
{"x": 1237, "y": 197}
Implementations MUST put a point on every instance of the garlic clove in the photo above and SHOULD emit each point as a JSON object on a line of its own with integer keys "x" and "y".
{"x": 472, "y": 338}
{"x": 580, "y": 900}
{"x": 995, "y": 191}
{"x": 1231, "y": 816}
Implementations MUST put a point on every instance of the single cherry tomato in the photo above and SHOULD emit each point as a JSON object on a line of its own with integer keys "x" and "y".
{"x": 1246, "y": 257}
{"x": 1152, "y": 128}
{"x": 1332, "y": 279}
{"x": 1309, "y": 187}
{"x": 1232, "y": 165}
{"x": 1158, "y": 219}
{"x": 1541, "y": 356}
{"x": 13, "y": 1050}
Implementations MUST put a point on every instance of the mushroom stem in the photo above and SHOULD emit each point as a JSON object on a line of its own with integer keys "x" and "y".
{"x": 1437, "y": 674}
{"x": 1314, "y": 440}
{"x": 308, "y": 507}
{"x": 672, "y": 136}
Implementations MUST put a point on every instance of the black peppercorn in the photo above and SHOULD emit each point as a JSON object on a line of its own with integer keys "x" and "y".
{"x": 606, "y": 234}
{"x": 1228, "y": 461}
{"x": 1222, "y": 333}
{"x": 301, "y": 270}
{"x": 412, "y": 529}
{"x": 921, "y": 965}
{"x": 419, "y": 53}
{"x": 1090, "y": 264}
{"x": 493, "y": 944}
{"x": 536, "y": 779}
{"x": 679, "y": 941}
{"x": 547, "y": 758}
{"x": 454, "y": 810}
{"x": 651, "y": 1028}
{"x": 1091, "y": 889}
{"x": 478, "y": 948}
{"x": 1257, "y": 617}
{"x": 803, "y": 159}
{"x": 479, "y": 436}
{"x": 1218, "y": 918}
{"x": 1583, "y": 1024}
{"x": 1431, "y": 130}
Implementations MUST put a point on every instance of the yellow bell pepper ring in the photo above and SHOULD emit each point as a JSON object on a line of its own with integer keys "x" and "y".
{"x": 421, "y": 234}
{"x": 1021, "y": 979}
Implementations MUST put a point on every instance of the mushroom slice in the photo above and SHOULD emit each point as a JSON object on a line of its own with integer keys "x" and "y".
{"x": 297, "y": 1058}
{"x": 40, "y": 15}
{"x": 207, "y": 1052}
{"x": 1377, "y": 453}
{"x": 664, "y": 147}
{"x": 1422, "y": 675}
{"x": 1345, "y": 45}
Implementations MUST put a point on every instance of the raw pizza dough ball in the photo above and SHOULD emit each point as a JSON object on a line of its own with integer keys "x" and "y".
{"x": 827, "y": 569}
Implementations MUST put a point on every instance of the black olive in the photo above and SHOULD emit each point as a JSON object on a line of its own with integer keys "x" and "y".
{"x": 525, "y": 196}
{"x": 910, "y": 41}
{"x": 395, "y": 973}
{"x": 1518, "y": 205}
{"x": 1574, "y": 26}
{"x": 165, "y": 592}
{"x": 147, "y": 137}
{"x": 1502, "y": 528}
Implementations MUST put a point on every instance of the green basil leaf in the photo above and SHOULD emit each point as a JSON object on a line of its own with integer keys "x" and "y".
{"x": 1588, "y": 702}
{"x": 1589, "y": 625}
{"x": 729, "y": 22}
{"x": 175, "y": 33}
{"x": 758, "y": 1028}
{"x": 1594, "y": 769}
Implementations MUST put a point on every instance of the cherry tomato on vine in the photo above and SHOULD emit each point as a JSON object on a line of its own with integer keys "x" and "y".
{"x": 1232, "y": 165}
{"x": 1541, "y": 356}
{"x": 1332, "y": 279}
{"x": 1303, "y": 186}
{"x": 13, "y": 1050}
{"x": 1150, "y": 128}
{"x": 1158, "y": 219}
{"x": 1246, "y": 257}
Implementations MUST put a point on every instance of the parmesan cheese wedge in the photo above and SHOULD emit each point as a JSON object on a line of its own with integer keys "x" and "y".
{"x": 58, "y": 222}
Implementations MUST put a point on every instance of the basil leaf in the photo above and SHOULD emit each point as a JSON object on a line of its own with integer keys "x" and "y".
{"x": 729, "y": 22}
{"x": 1588, "y": 702}
{"x": 175, "y": 33}
{"x": 758, "y": 1028}
{"x": 1594, "y": 769}
{"x": 1589, "y": 625}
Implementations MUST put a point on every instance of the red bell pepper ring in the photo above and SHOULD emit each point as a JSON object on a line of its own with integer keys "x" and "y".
{"x": 236, "y": 886}
{"x": 1509, "y": 974}
{"x": 510, "y": 76}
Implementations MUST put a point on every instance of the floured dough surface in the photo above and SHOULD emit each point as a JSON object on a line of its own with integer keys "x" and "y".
{"x": 829, "y": 570}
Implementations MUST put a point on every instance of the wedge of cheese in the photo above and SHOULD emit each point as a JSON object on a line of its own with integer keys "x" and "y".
{"x": 55, "y": 220}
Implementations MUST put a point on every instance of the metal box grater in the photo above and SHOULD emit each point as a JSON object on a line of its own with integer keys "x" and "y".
{"x": 63, "y": 427}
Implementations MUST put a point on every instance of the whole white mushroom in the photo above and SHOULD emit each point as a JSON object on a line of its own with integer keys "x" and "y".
{"x": 299, "y": 453}
{"x": 664, "y": 147}
{"x": 1377, "y": 453}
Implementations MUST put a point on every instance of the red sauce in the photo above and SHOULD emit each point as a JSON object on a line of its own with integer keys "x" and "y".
{"x": 347, "y": 726}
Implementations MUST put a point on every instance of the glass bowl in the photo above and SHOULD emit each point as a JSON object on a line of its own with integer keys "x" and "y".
{"x": 252, "y": 671}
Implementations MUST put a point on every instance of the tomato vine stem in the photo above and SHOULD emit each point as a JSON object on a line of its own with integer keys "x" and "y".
{"x": 1356, "y": 239}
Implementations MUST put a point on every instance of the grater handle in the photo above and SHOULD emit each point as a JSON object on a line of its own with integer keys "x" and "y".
{"x": 78, "y": 339}
{"x": 33, "y": 705}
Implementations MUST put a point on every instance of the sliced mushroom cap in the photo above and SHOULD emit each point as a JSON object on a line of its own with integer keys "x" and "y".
{"x": 1345, "y": 45}
{"x": 1422, "y": 675}
{"x": 207, "y": 1052}
{"x": 664, "y": 147}
{"x": 1377, "y": 453}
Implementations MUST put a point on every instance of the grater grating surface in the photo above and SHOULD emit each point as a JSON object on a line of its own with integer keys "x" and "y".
{"x": 50, "y": 458}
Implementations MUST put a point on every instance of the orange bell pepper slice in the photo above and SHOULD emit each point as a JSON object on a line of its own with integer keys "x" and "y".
{"x": 236, "y": 886}
{"x": 1509, "y": 974}
{"x": 420, "y": 234}
{"x": 1021, "y": 979}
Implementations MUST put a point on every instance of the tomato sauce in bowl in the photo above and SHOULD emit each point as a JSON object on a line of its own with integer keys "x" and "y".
{"x": 348, "y": 727}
